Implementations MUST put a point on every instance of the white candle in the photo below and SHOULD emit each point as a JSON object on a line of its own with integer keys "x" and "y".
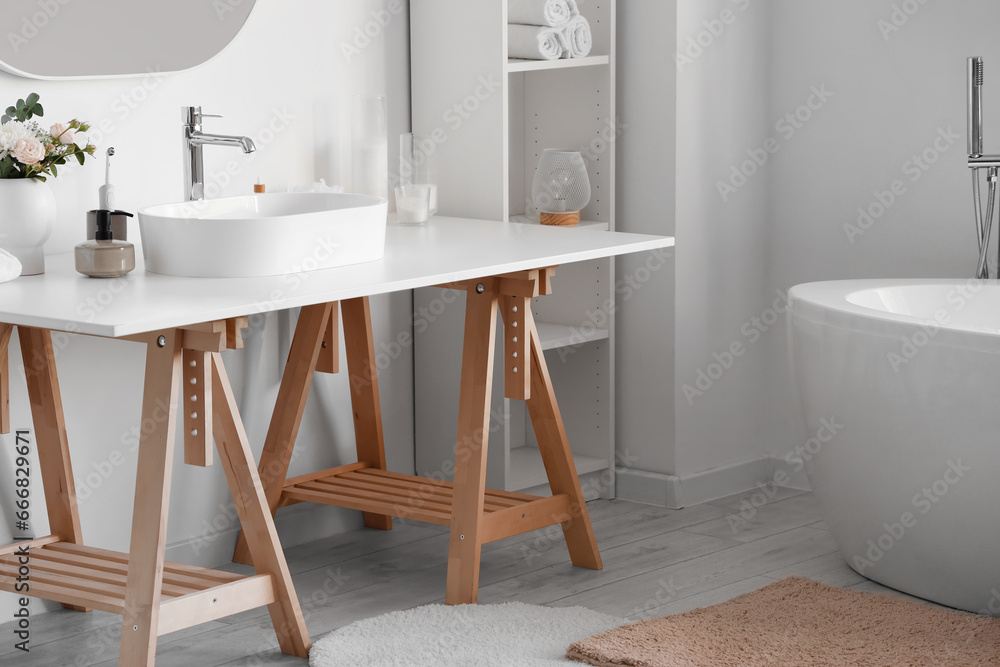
{"x": 412, "y": 209}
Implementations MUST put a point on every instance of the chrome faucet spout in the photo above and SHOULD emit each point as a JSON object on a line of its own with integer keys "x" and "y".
{"x": 194, "y": 142}
{"x": 202, "y": 139}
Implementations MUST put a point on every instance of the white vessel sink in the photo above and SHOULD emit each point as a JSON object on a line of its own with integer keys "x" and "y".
{"x": 262, "y": 234}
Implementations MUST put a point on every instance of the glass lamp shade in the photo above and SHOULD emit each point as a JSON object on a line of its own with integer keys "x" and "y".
{"x": 561, "y": 183}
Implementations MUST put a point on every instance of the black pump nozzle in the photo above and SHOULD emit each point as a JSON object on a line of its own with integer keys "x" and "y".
{"x": 103, "y": 226}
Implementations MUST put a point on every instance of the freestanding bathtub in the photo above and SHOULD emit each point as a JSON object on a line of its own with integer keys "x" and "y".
{"x": 899, "y": 384}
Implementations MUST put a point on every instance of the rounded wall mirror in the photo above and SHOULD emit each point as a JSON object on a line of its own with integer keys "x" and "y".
{"x": 89, "y": 39}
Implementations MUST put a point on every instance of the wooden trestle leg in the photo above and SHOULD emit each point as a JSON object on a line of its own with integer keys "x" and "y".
{"x": 38, "y": 359}
{"x": 558, "y": 459}
{"x": 306, "y": 348}
{"x": 140, "y": 620}
{"x": 465, "y": 545}
{"x": 360, "y": 348}
{"x": 258, "y": 525}
{"x": 287, "y": 416}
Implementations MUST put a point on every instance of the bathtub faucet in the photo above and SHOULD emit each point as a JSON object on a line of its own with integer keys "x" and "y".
{"x": 978, "y": 162}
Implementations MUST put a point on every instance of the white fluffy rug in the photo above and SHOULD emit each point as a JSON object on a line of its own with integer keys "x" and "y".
{"x": 482, "y": 635}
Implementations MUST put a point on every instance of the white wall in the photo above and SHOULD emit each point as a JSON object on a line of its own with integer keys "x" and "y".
{"x": 287, "y": 63}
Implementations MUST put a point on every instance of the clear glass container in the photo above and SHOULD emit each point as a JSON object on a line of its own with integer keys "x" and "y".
{"x": 418, "y": 164}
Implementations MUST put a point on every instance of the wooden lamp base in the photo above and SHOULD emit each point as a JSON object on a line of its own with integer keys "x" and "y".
{"x": 560, "y": 219}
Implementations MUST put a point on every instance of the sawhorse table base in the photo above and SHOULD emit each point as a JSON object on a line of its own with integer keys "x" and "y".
{"x": 152, "y": 596}
{"x": 475, "y": 514}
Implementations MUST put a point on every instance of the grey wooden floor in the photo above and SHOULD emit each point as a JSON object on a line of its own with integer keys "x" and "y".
{"x": 656, "y": 562}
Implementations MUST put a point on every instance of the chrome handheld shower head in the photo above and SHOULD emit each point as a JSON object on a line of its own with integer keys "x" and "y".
{"x": 975, "y": 80}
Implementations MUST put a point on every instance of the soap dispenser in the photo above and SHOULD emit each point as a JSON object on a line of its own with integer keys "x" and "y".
{"x": 104, "y": 257}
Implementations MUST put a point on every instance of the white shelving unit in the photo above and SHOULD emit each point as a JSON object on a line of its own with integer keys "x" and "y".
{"x": 492, "y": 116}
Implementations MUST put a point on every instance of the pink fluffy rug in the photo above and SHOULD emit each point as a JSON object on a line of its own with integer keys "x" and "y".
{"x": 797, "y": 622}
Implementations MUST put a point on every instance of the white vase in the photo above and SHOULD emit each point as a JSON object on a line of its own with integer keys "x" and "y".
{"x": 27, "y": 217}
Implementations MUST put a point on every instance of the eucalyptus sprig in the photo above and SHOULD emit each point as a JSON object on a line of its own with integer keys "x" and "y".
{"x": 24, "y": 109}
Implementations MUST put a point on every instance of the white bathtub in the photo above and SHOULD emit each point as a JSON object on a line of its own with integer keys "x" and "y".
{"x": 899, "y": 384}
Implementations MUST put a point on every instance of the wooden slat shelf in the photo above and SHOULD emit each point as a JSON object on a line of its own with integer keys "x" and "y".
{"x": 95, "y": 578}
{"x": 421, "y": 499}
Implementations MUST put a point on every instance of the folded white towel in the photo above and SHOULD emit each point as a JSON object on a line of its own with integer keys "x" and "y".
{"x": 10, "y": 268}
{"x": 577, "y": 38}
{"x": 552, "y": 13}
{"x": 534, "y": 42}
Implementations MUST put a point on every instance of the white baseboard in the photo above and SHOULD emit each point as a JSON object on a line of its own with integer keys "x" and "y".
{"x": 678, "y": 492}
{"x": 648, "y": 488}
{"x": 796, "y": 476}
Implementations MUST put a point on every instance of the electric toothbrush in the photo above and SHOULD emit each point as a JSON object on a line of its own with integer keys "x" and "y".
{"x": 106, "y": 193}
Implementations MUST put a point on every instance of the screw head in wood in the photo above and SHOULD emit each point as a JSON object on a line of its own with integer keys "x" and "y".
{"x": 161, "y": 341}
{"x": 135, "y": 628}
{"x": 480, "y": 288}
{"x": 461, "y": 537}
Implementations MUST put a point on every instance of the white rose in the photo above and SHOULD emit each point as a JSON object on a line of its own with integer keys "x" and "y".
{"x": 61, "y": 133}
{"x": 11, "y": 133}
{"x": 29, "y": 151}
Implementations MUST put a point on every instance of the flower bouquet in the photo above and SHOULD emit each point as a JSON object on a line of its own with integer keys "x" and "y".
{"x": 29, "y": 154}
{"x": 27, "y": 150}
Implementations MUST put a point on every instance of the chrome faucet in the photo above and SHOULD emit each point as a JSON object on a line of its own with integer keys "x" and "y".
{"x": 194, "y": 158}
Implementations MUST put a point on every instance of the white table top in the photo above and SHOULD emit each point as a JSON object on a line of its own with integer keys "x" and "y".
{"x": 443, "y": 250}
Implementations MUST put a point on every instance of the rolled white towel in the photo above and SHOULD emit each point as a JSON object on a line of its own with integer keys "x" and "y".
{"x": 577, "y": 38}
{"x": 533, "y": 42}
{"x": 10, "y": 267}
{"x": 552, "y": 13}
